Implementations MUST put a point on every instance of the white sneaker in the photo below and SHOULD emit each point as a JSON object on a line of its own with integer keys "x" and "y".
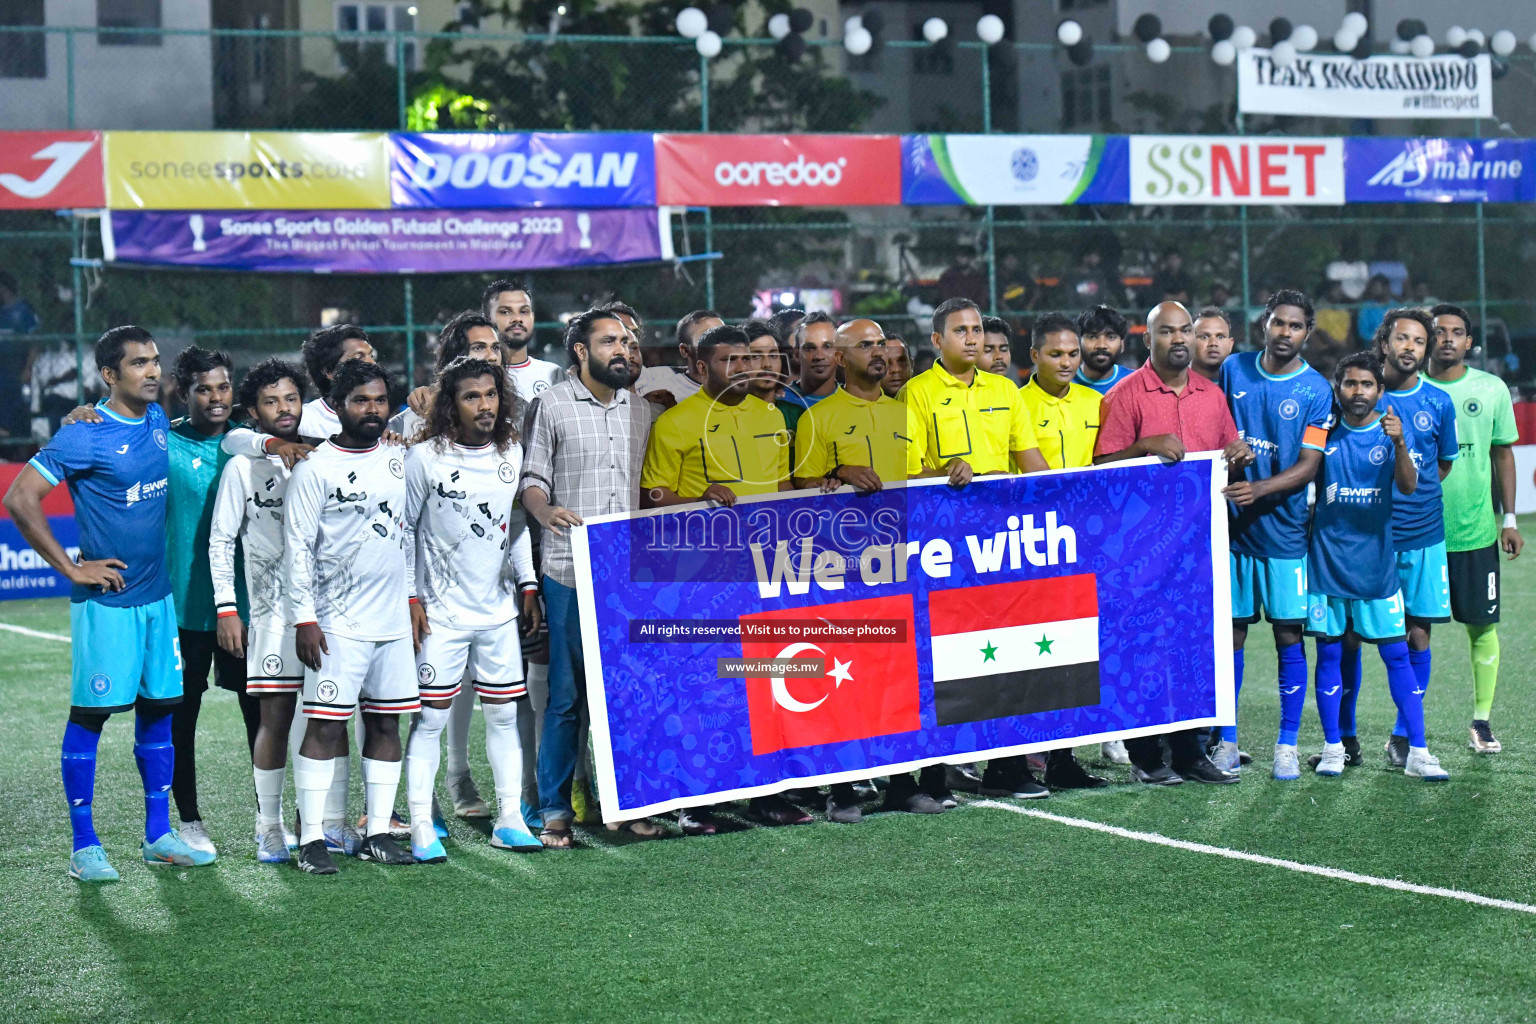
{"x": 1287, "y": 763}
{"x": 1227, "y": 757}
{"x": 1424, "y": 765}
{"x": 196, "y": 836}
{"x": 1332, "y": 761}
{"x": 1114, "y": 752}
{"x": 270, "y": 847}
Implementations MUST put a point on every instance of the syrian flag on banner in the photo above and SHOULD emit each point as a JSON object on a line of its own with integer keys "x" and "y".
{"x": 1014, "y": 648}
{"x": 869, "y": 689}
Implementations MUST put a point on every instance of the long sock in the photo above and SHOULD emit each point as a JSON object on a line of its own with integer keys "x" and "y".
{"x": 312, "y": 781}
{"x": 1485, "y": 668}
{"x": 1328, "y": 687}
{"x": 381, "y": 781}
{"x": 153, "y": 750}
{"x": 421, "y": 761}
{"x": 1229, "y": 732}
{"x": 336, "y": 798}
{"x": 269, "y": 795}
{"x": 250, "y": 712}
{"x": 504, "y": 749}
{"x": 77, "y": 763}
{"x": 184, "y": 738}
{"x": 530, "y": 726}
{"x": 1406, "y": 692}
{"x": 1293, "y": 690}
{"x": 1422, "y": 662}
{"x": 460, "y": 714}
{"x": 1349, "y": 674}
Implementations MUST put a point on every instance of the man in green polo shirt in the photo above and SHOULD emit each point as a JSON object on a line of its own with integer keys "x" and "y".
{"x": 1485, "y": 429}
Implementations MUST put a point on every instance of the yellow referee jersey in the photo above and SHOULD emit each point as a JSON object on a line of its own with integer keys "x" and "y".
{"x": 980, "y": 422}
{"x": 699, "y": 442}
{"x": 1064, "y": 428}
{"x": 841, "y": 430}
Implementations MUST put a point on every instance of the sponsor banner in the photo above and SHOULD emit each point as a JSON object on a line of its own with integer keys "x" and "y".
{"x": 50, "y": 170}
{"x": 1338, "y": 85}
{"x": 247, "y": 170}
{"x": 401, "y": 241}
{"x": 1014, "y": 170}
{"x": 1011, "y": 619}
{"x": 482, "y": 170}
{"x": 23, "y": 573}
{"x": 1215, "y": 170}
{"x": 778, "y": 170}
{"x": 1439, "y": 170}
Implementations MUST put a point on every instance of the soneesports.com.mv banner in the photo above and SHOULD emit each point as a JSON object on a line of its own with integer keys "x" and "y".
{"x": 803, "y": 639}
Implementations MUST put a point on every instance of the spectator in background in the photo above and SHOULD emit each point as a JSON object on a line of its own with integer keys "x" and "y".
{"x": 1331, "y": 339}
{"x": 996, "y": 346}
{"x": 16, "y": 317}
{"x": 1387, "y": 265}
{"x": 785, "y": 321}
{"x": 52, "y": 376}
{"x": 923, "y": 361}
{"x": 898, "y": 364}
{"x": 964, "y": 279}
{"x": 1352, "y": 273}
{"x": 1221, "y": 295}
{"x": 1422, "y": 296}
{"x": 1087, "y": 284}
{"x": 1016, "y": 288}
{"x": 1377, "y": 299}
{"x": 1172, "y": 281}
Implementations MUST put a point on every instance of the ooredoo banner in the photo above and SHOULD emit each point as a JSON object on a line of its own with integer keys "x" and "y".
{"x": 480, "y": 169}
{"x": 1013, "y": 170}
{"x": 1440, "y": 170}
{"x": 778, "y": 170}
{"x": 50, "y": 170}
{"x": 1214, "y": 170}
{"x": 247, "y": 170}
{"x": 1338, "y": 85}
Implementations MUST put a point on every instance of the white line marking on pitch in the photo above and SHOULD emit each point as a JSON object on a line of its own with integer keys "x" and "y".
{"x": 1254, "y": 858}
{"x": 24, "y": 631}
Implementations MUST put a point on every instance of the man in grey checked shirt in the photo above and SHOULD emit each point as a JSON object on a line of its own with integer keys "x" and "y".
{"x": 583, "y": 446}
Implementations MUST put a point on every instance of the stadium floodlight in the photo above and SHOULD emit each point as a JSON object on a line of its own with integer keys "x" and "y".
{"x": 1283, "y": 53}
{"x": 1422, "y": 46}
{"x": 692, "y": 23}
{"x": 1455, "y": 36}
{"x": 1069, "y": 33}
{"x": 1244, "y": 37}
{"x": 1355, "y": 24}
{"x": 778, "y": 25}
{"x": 1344, "y": 40}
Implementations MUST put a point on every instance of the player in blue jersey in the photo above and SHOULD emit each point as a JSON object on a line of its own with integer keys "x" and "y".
{"x": 1353, "y": 586}
{"x": 1281, "y": 407}
{"x": 125, "y": 651}
{"x": 1102, "y": 331}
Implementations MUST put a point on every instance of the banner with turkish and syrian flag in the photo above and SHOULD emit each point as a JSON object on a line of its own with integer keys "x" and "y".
{"x": 801, "y": 639}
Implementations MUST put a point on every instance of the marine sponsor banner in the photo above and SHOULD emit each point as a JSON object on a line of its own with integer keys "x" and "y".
{"x": 393, "y": 242}
{"x": 1439, "y": 170}
{"x": 1338, "y": 85}
{"x": 1215, "y": 170}
{"x": 485, "y": 170}
{"x": 778, "y": 170}
{"x": 940, "y": 625}
{"x": 247, "y": 170}
{"x": 1014, "y": 170}
{"x": 50, "y": 170}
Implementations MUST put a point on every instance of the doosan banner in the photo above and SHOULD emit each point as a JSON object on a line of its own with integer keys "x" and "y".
{"x": 1338, "y": 85}
{"x": 1014, "y": 170}
{"x": 398, "y": 242}
{"x": 483, "y": 170}
{"x": 778, "y": 170}
{"x": 1440, "y": 170}
{"x": 1215, "y": 170}
{"x": 803, "y": 639}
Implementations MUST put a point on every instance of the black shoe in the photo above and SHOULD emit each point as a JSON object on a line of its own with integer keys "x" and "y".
{"x": 1162, "y": 775}
{"x": 1067, "y": 773}
{"x": 1243, "y": 757}
{"x": 1397, "y": 750}
{"x": 1202, "y": 770}
{"x": 382, "y": 849}
{"x": 315, "y": 859}
{"x": 697, "y": 821}
{"x": 775, "y": 810}
{"x": 866, "y": 790}
{"x": 963, "y": 777}
{"x": 843, "y": 814}
{"x": 1352, "y": 756}
{"x": 1018, "y": 783}
{"x": 904, "y": 795}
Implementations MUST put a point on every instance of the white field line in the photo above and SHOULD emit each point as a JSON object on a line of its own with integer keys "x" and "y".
{"x": 1254, "y": 858}
{"x": 24, "y": 631}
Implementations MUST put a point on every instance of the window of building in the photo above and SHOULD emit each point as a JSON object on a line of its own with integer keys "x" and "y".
{"x": 134, "y": 14}
{"x": 23, "y": 54}
{"x": 382, "y": 18}
{"x": 931, "y": 58}
{"x": 1085, "y": 97}
{"x": 1081, "y": 5}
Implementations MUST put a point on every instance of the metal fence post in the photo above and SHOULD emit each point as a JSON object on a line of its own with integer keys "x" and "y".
{"x": 1242, "y": 216}
{"x": 709, "y": 215}
{"x": 986, "y": 89}
{"x": 410, "y": 335}
{"x": 69, "y": 75}
{"x": 1482, "y": 266}
{"x": 77, "y": 280}
{"x": 400, "y": 92}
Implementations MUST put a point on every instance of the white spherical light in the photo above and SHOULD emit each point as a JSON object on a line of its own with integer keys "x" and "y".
{"x": 1455, "y": 36}
{"x": 1069, "y": 33}
{"x": 1283, "y": 53}
{"x": 853, "y": 24}
{"x": 1344, "y": 40}
{"x": 778, "y": 26}
{"x": 935, "y": 29}
{"x": 708, "y": 44}
{"x": 1476, "y": 35}
{"x": 1503, "y": 42}
{"x": 1355, "y": 24}
{"x": 1422, "y": 46}
{"x": 1244, "y": 37}
{"x": 989, "y": 29}
{"x": 1158, "y": 51}
{"x": 1304, "y": 38}
{"x": 858, "y": 41}
{"x": 1224, "y": 52}
{"x": 1399, "y": 46}
{"x": 692, "y": 23}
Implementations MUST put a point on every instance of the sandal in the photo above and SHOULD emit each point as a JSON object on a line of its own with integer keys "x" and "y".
{"x": 644, "y": 828}
{"x": 557, "y": 836}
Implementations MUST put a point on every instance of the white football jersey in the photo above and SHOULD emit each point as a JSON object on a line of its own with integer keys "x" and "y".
{"x": 406, "y": 423}
{"x": 469, "y": 544}
{"x": 318, "y": 420}
{"x": 666, "y": 378}
{"x": 344, "y": 540}
{"x": 249, "y": 508}
{"x": 533, "y": 377}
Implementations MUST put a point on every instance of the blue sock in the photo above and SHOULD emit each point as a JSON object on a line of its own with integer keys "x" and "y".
{"x": 77, "y": 763}
{"x": 1422, "y": 662}
{"x": 1229, "y": 732}
{"x": 1293, "y": 690}
{"x": 1328, "y": 687}
{"x": 1349, "y": 673}
{"x": 157, "y": 759}
{"x": 1406, "y": 691}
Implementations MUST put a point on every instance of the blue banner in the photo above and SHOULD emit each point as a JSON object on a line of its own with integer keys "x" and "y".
{"x": 23, "y": 573}
{"x": 1439, "y": 170}
{"x": 1014, "y": 170}
{"x": 483, "y": 170}
{"x": 931, "y": 624}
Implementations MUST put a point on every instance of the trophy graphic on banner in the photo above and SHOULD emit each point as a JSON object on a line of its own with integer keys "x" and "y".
{"x": 584, "y": 225}
{"x": 195, "y": 222}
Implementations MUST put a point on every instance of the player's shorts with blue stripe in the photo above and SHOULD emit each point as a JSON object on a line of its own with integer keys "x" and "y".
{"x": 123, "y": 655}
{"x": 1379, "y": 621}
{"x": 1425, "y": 577}
{"x": 1275, "y": 586}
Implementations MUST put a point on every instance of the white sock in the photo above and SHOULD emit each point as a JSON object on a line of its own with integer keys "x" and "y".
{"x": 530, "y": 726}
{"x": 336, "y": 799}
{"x": 381, "y": 781}
{"x": 421, "y": 761}
{"x": 460, "y": 714}
{"x": 269, "y": 795}
{"x": 1424, "y": 751}
{"x": 504, "y": 749}
{"x": 312, "y": 781}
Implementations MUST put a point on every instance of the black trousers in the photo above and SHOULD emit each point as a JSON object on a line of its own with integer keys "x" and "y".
{"x": 200, "y": 656}
{"x": 1185, "y": 746}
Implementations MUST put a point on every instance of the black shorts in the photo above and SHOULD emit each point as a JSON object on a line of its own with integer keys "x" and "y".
{"x": 201, "y": 652}
{"x": 1474, "y": 585}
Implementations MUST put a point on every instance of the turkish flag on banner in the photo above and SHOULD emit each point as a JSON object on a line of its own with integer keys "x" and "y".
{"x": 869, "y": 689}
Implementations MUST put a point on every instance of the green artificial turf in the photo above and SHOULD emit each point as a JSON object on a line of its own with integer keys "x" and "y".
{"x": 974, "y": 915}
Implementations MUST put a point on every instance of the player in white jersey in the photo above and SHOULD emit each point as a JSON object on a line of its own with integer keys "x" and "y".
{"x": 509, "y": 304}
{"x": 325, "y": 350}
{"x": 472, "y": 563}
{"x": 665, "y": 386}
{"x": 344, "y": 544}
{"x": 468, "y": 334}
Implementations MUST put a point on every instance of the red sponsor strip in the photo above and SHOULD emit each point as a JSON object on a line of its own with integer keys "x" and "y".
{"x": 55, "y": 503}
{"x": 778, "y": 170}
{"x": 50, "y": 170}
{"x": 1025, "y": 603}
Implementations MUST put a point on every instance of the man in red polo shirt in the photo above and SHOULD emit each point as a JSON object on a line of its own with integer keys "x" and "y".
{"x": 1162, "y": 409}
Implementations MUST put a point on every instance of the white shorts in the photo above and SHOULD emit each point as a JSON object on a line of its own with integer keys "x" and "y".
{"x": 492, "y": 659}
{"x": 272, "y": 664}
{"x": 377, "y": 672}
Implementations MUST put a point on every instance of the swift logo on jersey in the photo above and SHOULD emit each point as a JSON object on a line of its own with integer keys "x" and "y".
{"x": 145, "y": 492}
{"x": 1353, "y": 495}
